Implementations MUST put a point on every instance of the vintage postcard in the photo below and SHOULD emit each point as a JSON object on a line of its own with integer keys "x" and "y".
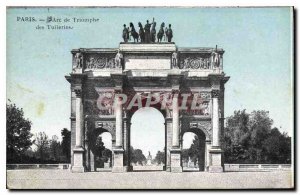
{"x": 150, "y": 98}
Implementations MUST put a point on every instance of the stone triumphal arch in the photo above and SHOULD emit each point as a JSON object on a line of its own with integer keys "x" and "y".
{"x": 101, "y": 78}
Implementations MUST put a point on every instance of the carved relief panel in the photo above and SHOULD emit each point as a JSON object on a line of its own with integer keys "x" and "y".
{"x": 188, "y": 61}
{"x": 100, "y": 61}
{"x": 199, "y": 104}
{"x": 194, "y": 126}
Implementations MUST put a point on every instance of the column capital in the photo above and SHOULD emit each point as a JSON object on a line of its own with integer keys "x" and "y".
{"x": 175, "y": 91}
{"x": 215, "y": 93}
{"x": 78, "y": 91}
{"x": 118, "y": 90}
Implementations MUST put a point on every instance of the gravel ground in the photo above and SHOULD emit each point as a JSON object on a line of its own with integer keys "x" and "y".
{"x": 64, "y": 179}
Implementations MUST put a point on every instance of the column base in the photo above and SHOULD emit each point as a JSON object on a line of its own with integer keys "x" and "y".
{"x": 216, "y": 160}
{"x": 117, "y": 169}
{"x": 126, "y": 168}
{"x": 176, "y": 160}
{"x": 168, "y": 169}
{"x": 118, "y": 160}
{"x": 78, "y": 166}
{"x": 78, "y": 169}
{"x": 129, "y": 168}
{"x": 215, "y": 169}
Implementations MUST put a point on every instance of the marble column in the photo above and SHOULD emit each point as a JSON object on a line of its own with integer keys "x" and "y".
{"x": 78, "y": 151}
{"x": 207, "y": 155}
{"x": 175, "y": 150}
{"x": 215, "y": 151}
{"x": 175, "y": 108}
{"x": 119, "y": 121}
{"x": 126, "y": 143}
{"x": 169, "y": 130}
{"x": 118, "y": 150}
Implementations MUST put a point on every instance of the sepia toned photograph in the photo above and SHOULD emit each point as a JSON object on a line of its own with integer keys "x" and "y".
{"x": 150, "y": 98}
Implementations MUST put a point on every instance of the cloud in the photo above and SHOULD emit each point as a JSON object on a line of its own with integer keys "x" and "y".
{"x": 40, "y": 108}
{"x": 23, "y": 89}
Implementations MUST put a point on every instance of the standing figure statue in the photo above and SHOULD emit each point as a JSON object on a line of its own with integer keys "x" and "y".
{"x": 174, "y": 59}
{"x": 161, "y": 32}
{"x": 141, "y": 33}
{"x": 129, "y": 33}
{"x": 169, "y": 33}
{"x": 153, "y": 32}
{"x": 147, "y": 31}
{"x": 125, "y": 34}
{"x": 216, "y": 58}
{"x": 149, "y": 159}
{"x": 79, "y": 60}
{"x": 118, "y": 59}
{"x": 133, "y": 33}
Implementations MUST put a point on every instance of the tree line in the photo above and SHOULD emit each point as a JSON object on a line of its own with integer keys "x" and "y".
{"x": 24, "y": 147}
{"x": 248, "y": 138}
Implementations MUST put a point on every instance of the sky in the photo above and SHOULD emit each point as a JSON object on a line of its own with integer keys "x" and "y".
{"x": 257, "y": 44}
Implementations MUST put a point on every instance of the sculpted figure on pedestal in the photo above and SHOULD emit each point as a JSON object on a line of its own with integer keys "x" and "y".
{"x": 118, "y": 59}
{"x": 78, "y": 60}
{"x": 216, "y": 58}
{"x": 174, "y": 59}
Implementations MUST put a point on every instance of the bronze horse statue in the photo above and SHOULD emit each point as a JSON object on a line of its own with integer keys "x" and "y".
{"x": 141, "y": 33}
{"x": 134, "y": 34}
{"x": 161, "y": 32}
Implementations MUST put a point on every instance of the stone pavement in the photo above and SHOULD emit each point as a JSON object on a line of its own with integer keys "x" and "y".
{"x": 64, "y": 179}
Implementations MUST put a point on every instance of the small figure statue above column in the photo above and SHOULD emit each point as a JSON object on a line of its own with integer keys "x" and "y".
{"x": 118, "y": 59}
{"x": 79, "y": 59}
{"x": 216, "y": 58}
{"x": 175, "y": 60}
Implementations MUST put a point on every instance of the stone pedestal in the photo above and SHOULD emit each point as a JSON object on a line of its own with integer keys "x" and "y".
{"x": 215, "y": 160}
{"x": 78, "y": 160}
{"x": 176, "y": 160}
{"x": 118, "y": 160}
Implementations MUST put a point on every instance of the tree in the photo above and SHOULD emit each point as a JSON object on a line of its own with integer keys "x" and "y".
{"x": 277, "y": 147}
{"x": 42, "y": 143}
{"x": 185, "y": 155}
{"x": 249, "y": 138}
{"x": 55, "y": 148}
{"x": 160, "y": 157}
{"x": 236, "y": 136}
{"x": 137, "y": 156}
{"x": 17, "y": 132}
{"x": 66, "y": 143}
{"x": 196, "y": 151}
{"x": 107, "y": 154}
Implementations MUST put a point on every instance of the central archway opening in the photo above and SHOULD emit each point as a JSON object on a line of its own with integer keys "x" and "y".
{"x": 147, "y": 138}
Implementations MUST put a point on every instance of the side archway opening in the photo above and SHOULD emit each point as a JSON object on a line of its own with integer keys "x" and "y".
{"x": 193, "y": 150}
{"x": 100, "y": 144}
